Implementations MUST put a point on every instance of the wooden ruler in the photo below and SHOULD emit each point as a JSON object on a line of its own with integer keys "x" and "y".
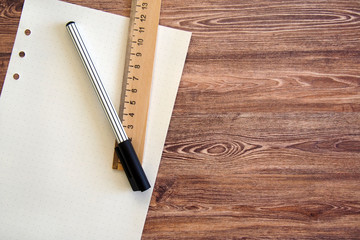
{"x": 144, "y": 21}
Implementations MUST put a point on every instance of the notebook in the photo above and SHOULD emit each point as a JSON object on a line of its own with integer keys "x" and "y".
{"x": 56, "y": 146}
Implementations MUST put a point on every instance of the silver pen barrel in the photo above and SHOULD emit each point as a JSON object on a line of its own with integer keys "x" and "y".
{"x": 124, "y": 149}
{"x": 103, "y": 97}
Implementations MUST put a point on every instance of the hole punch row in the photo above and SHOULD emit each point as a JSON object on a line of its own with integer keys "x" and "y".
{"x": 27, "y": 32}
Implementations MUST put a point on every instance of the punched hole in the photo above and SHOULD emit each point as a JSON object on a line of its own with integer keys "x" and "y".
{"x": 27, "y": 32}
{"x": 16, "y": 76}
{"x": 22, "y": 54}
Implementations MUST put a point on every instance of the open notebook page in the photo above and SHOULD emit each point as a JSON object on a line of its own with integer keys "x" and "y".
{"x": 56, "y": 146}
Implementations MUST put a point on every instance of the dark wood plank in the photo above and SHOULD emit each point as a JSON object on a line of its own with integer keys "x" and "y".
{"x": 278, "y": 56}
{"x": 258, "y": 175}
{"x": 10, "y": 11}
{"x": 264, "y": 140}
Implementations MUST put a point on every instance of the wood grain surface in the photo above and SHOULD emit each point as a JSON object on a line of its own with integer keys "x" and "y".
{"x": 264, "y": 140}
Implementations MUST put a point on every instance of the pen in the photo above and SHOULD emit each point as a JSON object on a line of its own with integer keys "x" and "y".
{"x": 124, "y": 149}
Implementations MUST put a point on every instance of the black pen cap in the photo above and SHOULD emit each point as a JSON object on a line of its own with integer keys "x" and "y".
{"x": 132, "y": 166}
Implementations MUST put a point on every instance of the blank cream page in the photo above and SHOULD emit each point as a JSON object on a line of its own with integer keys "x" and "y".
{"x": 56, "y": 146}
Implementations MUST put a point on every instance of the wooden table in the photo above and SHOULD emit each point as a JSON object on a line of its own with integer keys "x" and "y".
{"x": 264, "y": 140}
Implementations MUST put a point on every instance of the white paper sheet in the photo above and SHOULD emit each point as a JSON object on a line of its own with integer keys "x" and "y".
{"x": 56, "y": 146}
